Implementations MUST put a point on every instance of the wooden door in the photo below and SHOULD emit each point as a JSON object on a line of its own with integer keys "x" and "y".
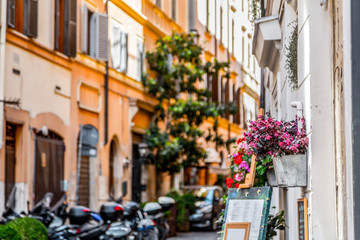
{"x": 49, "y": 167}
{"x": 10, "y": 160}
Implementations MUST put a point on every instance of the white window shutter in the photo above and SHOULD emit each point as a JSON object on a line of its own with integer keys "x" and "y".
{"x": 84, "y": 30}
{"x": 99, "y": 47}
{"x": 140, "y": 59}
{"x": 102, "y": 45}
{"x": 93, "y": 33}
{"x": 124, "y": 52}
{"x": 115, "y": 45}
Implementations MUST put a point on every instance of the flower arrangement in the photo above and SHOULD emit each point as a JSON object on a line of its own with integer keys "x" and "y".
{"x": 240, "y": 166}
{"x": 270, "y": 137}
{"x": 267, "y": 138}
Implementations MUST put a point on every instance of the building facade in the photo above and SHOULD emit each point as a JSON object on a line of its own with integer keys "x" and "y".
{"x": 325, "y": 94}
{"x": 75, "y": 66}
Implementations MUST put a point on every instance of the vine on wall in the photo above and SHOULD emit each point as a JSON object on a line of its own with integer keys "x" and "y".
{"x": 291, "y": 58}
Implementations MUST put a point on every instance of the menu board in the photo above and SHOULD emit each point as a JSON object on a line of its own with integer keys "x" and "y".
{"x": 246, "y": 211}
{"x": 302, "y": 219}
{"x": 249, "y": 206}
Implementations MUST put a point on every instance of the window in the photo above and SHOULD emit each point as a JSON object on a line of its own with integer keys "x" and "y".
{"x": 215, "y": 88}
{"x": 119, "y": 47}
{"x": 94, "y": 34}
{"x": 232, "y": 36}
{"x": 227, "y": 96}
{"x": 242, "y": 50}
{"x": 253, "y": 64}
{"x": 173, "y": 9}
{"x": 221, "y": 25}
{"x": 23, "y": 16}
{"x": 65, "y": 27}
{"x": 140, "y": 59}
{"x": 249, "y": 55}
{"x": 207, "y": 15}
{"x": 158, "y": 3}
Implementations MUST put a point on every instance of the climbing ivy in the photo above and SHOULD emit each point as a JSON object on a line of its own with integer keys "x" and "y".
{"x": 291, "y": 58}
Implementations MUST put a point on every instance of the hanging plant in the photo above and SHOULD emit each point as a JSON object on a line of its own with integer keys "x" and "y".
{"x": 291, "y": 58}
{"x": 255, "y": 9}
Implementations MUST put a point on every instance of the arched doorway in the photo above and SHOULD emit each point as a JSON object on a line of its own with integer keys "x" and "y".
{"x": 87, "y": 142}
{"x": 49, "y": 165}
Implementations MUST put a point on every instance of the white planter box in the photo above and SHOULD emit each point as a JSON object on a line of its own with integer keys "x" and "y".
{"x": 290, "y": 170}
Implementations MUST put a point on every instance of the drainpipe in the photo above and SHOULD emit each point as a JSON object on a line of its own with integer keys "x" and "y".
{"x": 106, "y": 95}
{"x": 2, "y": 67}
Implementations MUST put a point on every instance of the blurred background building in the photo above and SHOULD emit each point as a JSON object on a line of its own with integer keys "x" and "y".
{"x": 75, "y": 66}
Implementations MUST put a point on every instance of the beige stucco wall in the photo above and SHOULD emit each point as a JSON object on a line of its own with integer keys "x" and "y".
{"x": 35, "y": 85}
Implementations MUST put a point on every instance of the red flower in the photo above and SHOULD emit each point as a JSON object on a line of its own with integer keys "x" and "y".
{"x": 238, "y": 159}
{"x": 240, "y": 140}
{"x": 229, "y": 182}
{"x": 237, "y": 185}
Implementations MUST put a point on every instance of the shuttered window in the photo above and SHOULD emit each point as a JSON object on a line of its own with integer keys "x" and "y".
{"x": 99, "y": 46}
{"x": 70, "y": 29}
{"x": 173, "y": 9}
{"x": 124, "y": 52}
{"x": 11, "y": 13}
{"x": 65, "y": 27}
{"x": 115, "y": 39}
{"x": 23, "y": 16}
{"x": 31, "y": 18}
{"x": 140, "y": 60}
{"x": 119, "y": 48}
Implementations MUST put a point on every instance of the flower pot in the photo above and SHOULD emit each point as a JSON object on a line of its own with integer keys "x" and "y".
{"x": 271, "y": 178}
{"x": 290, "y": 170}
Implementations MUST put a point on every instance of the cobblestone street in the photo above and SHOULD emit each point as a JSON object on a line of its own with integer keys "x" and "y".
{"x": 196, "y": 235}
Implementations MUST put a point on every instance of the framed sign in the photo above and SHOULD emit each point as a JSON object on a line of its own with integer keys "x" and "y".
{"x": 237, "y": 231}
{"x": 249, "y": 206}
{"x": 302, "y": 219}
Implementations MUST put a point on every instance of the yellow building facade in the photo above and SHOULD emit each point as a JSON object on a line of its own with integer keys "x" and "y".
{"x": 75, "y": 67}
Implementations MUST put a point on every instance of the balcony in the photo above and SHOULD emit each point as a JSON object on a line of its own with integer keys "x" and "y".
{"x": 267, "y": 42}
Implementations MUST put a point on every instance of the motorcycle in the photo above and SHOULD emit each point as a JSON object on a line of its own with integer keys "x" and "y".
{"x": 155, "y": 211}
{"x": 143, "y": 228}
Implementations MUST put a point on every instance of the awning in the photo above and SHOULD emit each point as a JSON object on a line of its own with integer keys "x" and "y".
{"x": 267, "y": 41}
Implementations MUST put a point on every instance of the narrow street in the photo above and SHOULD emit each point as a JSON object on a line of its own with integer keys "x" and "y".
{"x": 196, "y": 235}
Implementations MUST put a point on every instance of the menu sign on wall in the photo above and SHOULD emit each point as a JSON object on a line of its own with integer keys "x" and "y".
{"x": 302, "y": 219}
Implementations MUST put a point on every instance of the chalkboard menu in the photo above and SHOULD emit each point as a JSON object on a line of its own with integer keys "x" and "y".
{"x": 302, "y": 219}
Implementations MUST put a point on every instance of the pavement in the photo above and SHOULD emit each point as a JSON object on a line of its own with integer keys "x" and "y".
{"x": 196, "y": 235}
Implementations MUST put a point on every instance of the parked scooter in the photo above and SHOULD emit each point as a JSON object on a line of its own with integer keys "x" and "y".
{"x": 155, "y": 211}
{"x": 143, "y": 228}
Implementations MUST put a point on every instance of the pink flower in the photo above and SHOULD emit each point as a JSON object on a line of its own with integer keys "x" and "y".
{"x": 239, "y": 177}
{"x": 244, "y": 165}
{"x": 268, "y": 137}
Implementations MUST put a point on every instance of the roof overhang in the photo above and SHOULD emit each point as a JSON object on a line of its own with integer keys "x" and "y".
{"x": 267, "y": 42}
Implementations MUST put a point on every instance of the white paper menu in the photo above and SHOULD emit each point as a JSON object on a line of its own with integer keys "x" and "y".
{"x": 246, "y": 211}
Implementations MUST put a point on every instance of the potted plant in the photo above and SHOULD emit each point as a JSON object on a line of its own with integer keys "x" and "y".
{"x": 286, "y": 143}
{"x": 240, "y": 166}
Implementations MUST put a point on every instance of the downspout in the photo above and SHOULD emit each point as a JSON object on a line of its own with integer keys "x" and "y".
{"x": 2, "y": 67}
{"x": 262, "y": 89}
{"x": 106, "y": 94}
